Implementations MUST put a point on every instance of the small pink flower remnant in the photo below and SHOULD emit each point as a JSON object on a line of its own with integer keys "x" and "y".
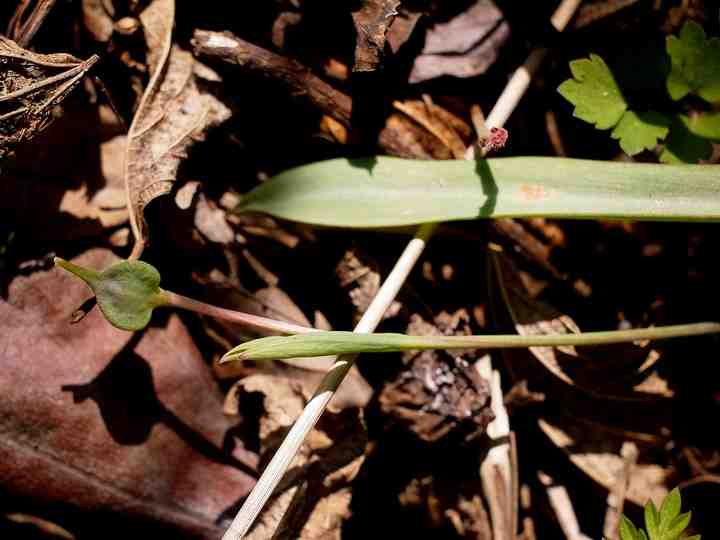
{"x": 496, "y": 140}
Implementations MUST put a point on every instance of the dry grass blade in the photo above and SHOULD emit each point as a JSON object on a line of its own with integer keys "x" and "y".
{"x": 173, "y": 114}
{"x": 31, "y": 86}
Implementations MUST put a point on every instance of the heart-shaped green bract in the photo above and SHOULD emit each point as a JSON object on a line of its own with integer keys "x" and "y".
{"x": 127, "y": 291}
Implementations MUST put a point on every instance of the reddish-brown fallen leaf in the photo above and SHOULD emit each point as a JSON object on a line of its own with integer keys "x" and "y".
{"x": 127, "y": 429}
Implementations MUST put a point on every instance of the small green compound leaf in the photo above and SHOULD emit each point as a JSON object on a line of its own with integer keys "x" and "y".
{"x": 628, "y": 531}
{"x": 684, "y": 145}
{"x": 640, "y": 131}
{"x": 594, "y": 92}
{"x": 695, "y": 64}
{"x": 127, "y": 291}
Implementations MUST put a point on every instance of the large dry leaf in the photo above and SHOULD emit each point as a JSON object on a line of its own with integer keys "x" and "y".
{"x": 126, "y": 429}
{"x": 464, "y": 46}
{"x": 174, "y": 113}
{"x": 31, "y": 86}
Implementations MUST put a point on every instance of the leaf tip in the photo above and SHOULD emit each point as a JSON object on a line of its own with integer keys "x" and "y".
{"x": 88, "y": 276}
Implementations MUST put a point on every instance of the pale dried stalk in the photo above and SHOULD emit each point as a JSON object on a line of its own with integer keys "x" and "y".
{"x": 562, "y": 507}
{"x": 290, "y": 446}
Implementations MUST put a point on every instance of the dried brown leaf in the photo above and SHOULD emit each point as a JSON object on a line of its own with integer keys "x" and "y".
{"x": 313, "y": 498}
{"x": 125, "y": 428}
{"x": 464, "y": 46}
{"x": 362, "y": 281}
{"x": 441, "y": 123}
{"x": 31, "y": 86}
{"x": 621, "y": 367}
{"x": 597, "y": 452}
{"x": 173, "y": 114}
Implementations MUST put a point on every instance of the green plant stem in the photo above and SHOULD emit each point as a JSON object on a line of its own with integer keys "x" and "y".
{"x": 327, "y": 343}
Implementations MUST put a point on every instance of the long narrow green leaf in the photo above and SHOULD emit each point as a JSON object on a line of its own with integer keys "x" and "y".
{"x": 330, "y": 343}
{"x": 386, "y": 192}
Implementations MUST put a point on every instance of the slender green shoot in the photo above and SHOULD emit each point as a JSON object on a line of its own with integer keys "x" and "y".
{"x": 328, "y": 343}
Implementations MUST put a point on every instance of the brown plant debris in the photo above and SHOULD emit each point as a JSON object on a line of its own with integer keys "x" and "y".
{"x": 372, "y": 21}
{"x": 439, "y": 394}
{"x": 464, "y": 46}
{"x": 173, "y": 115}
{"x": 31, "y": 86}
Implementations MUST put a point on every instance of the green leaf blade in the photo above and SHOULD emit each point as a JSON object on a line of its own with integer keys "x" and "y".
{"x": 677, "y": 525}
{"x": 628, "y": 531}
{"x": 695, "y": 64}
{"x": 669, "y": 509}
{"x": 596, "y": 95}
{"x": 126, "y": 292}
{"x": 392, "y": 192}
{"x": 640, "y": 131}
{"x": 652, "y": 521}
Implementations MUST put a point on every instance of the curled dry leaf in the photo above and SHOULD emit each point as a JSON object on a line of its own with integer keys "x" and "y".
{"x": 173, "y": 114}
{"x": 619, "y": 371}
{"x": 596, "y": 390}
{"x": 117, "y": 429}
{"x": 31, "y": 86}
